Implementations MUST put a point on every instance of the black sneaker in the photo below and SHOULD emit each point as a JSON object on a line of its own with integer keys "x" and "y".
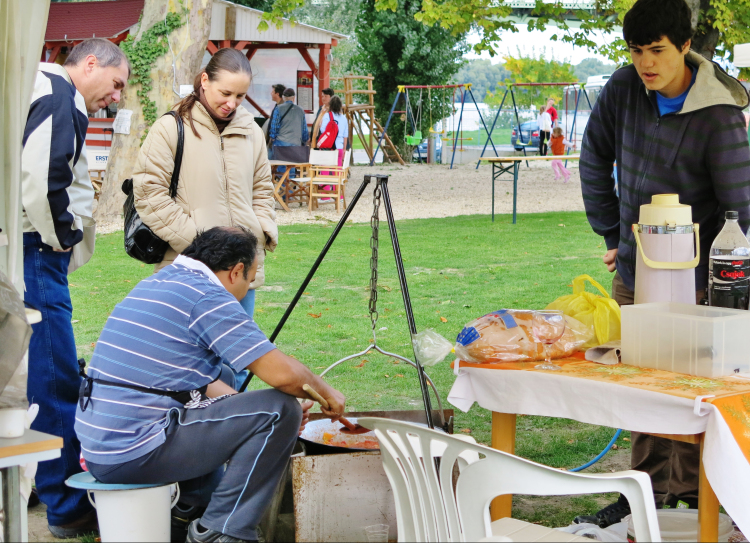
{"x": 182, "y": 516}
{"x": 199, "y": 534}
{"x": 612, "y": 514}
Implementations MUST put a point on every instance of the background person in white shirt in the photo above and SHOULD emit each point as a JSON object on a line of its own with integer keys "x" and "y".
{"x": 545, "y": 127}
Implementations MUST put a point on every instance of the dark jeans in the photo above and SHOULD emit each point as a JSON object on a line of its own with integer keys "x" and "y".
{"x": 53, "y": 376}
{"x": 672, "y": 465}
{"x": 543, "y": 136}
{"x": 253, "y": 432}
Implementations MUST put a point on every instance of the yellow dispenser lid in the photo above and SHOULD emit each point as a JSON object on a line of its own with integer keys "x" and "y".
{"x": 666, "y": 209}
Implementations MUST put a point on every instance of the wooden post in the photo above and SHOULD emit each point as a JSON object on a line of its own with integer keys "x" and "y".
{"x": 372, "y": 113}
{"x": 503, "y": 439}
{"x": 324, "y": 70}
{"x": 708, "y": 505}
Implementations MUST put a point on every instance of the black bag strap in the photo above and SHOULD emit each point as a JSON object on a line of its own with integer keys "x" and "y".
{"x": 287, "y": 112}
{"x": 87, "y": 386}
{"x": 178, "y": 154}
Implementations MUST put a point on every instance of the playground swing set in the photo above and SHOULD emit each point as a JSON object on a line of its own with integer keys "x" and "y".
{"x": 579, "y": 90}
{"x": 413, "y": 117}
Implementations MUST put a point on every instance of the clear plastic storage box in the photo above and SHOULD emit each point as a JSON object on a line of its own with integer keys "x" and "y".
{"x": 692, "y": 339}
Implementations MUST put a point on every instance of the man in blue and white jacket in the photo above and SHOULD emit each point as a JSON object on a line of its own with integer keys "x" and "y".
{"x": 57, "y": 208}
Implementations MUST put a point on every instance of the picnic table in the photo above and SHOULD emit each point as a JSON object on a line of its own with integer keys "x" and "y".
{"x": 284, "y": 184}
{"x": 510, "y": 164}
{"x": 714, "y": 413}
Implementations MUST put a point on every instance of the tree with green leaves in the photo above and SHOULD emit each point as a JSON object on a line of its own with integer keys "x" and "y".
{"x": 399, "y": 50}
{"x": 535, "y": 69}
{"x": 337, "y": 16}
{"x": 483, "y": 75}
{"x": 719, "y": 24}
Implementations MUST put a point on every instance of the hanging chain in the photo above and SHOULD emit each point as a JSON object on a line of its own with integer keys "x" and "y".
{"x": 375, "y": 225}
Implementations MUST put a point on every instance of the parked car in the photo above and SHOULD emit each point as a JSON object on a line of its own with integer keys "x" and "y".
{"x": 421, "y": 156}
{"x": 529, "y": 136}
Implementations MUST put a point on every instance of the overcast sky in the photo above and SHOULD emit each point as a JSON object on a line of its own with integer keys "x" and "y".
{"x": 537, "y": 41}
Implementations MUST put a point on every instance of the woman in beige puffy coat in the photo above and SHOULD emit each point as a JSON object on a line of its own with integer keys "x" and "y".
{"x": 225, "y": 178}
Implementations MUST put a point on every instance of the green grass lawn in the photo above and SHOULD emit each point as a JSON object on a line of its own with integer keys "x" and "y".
{"x": 457, "y": 268}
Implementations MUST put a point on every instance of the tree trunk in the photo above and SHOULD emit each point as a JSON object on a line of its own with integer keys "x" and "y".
{"x": 706, "y": 37}
{"x": 189, "y": 45}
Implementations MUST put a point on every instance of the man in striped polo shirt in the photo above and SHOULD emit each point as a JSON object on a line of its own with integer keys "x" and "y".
{"x": 673, "y": 122}
{"x": 154, "y": 409}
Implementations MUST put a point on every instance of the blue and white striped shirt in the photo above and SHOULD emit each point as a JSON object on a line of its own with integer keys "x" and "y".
{"x": 172, "y": 332}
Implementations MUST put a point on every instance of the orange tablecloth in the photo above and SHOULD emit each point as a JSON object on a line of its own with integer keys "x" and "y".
{"x": 638, "y": 399}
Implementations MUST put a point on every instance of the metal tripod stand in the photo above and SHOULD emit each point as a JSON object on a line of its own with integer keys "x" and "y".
{"x": 380, "y": 194}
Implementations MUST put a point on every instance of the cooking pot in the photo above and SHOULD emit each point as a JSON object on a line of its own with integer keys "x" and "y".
{"x": 313, "y": 440}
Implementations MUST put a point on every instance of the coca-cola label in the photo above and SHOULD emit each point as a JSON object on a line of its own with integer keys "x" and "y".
{"x": 730, "y": 271}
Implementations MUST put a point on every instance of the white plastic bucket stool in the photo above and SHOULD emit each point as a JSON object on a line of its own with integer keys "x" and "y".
{"x": 682, "y": 525}
{"x": 139, "y": 513}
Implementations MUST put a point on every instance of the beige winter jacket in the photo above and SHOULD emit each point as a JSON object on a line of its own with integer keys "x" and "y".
{"x": 225, "y": 180}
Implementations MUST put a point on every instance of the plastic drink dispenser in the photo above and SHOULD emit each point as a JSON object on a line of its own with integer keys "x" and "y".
{"x": 668, "y": 250}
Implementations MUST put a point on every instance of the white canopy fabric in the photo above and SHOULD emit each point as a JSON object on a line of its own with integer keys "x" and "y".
{"x": 22, "y": 27}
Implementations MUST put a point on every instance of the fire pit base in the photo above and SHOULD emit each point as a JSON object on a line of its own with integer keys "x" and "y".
{"x": 333, "y": 494}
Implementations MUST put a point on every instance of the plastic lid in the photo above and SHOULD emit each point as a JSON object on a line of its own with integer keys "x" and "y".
{"x": 666, "y": 209}
{"x": 731, "y": 215}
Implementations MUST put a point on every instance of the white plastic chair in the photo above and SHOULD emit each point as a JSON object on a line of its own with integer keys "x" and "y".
{"x": 427, "y": 509}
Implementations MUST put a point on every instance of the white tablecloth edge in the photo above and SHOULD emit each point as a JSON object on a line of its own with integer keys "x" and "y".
{"x": 550, "y": 394}
{"x": 727, "y": 469}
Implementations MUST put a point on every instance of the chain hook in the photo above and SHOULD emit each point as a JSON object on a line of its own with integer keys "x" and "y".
{"x": 374, "y": 245}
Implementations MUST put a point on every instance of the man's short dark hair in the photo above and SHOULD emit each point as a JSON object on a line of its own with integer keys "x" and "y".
{"x": 278, "y": 89}
{"x": 328, "y": 92}
{"x": 288, "y": 93}
{"x": 107, "y": 53}
{"x": 650, "y": 20}
{"x": 223, "y": 247}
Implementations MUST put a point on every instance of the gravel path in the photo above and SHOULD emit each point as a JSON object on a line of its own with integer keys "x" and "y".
{"x": 419, "y": 191}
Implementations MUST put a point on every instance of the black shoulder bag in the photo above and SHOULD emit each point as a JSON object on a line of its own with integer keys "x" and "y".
{"x": 140, "y": 241}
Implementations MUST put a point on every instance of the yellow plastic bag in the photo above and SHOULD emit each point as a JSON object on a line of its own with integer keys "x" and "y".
{"x": 601, "y": 313}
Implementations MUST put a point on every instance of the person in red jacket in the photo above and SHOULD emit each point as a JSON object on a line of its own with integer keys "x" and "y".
{"x": 552, "y": 111}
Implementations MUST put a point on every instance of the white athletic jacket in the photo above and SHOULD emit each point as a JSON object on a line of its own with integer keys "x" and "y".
{"x": 56, "y": 189}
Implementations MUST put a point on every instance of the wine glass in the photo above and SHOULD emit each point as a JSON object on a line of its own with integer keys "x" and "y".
{"x": 548, "y": 326}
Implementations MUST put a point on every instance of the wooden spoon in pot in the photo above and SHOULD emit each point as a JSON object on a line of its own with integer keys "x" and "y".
{"x": 349, "y": 427}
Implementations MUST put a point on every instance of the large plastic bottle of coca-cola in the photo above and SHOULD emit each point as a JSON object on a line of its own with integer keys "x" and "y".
{"x": 729, "y": 266}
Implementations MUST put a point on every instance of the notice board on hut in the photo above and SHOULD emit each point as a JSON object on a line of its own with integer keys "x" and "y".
{"x": 305, "y": 90}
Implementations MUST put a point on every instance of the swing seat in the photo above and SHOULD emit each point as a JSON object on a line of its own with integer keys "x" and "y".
{"x": 415, "y": 139}
{"x": 437, "y": 131}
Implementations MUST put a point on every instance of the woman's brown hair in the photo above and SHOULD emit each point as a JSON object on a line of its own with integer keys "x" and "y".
{"x": 228, "y": 60}
{"x": 335, "y": 105}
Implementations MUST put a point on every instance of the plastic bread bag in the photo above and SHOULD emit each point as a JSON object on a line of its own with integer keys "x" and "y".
{"x": 431, "y": 347}
{"x": 506, "y": 336}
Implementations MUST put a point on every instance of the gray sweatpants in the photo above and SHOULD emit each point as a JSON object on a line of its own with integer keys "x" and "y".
{"x": 253, "y": 432}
